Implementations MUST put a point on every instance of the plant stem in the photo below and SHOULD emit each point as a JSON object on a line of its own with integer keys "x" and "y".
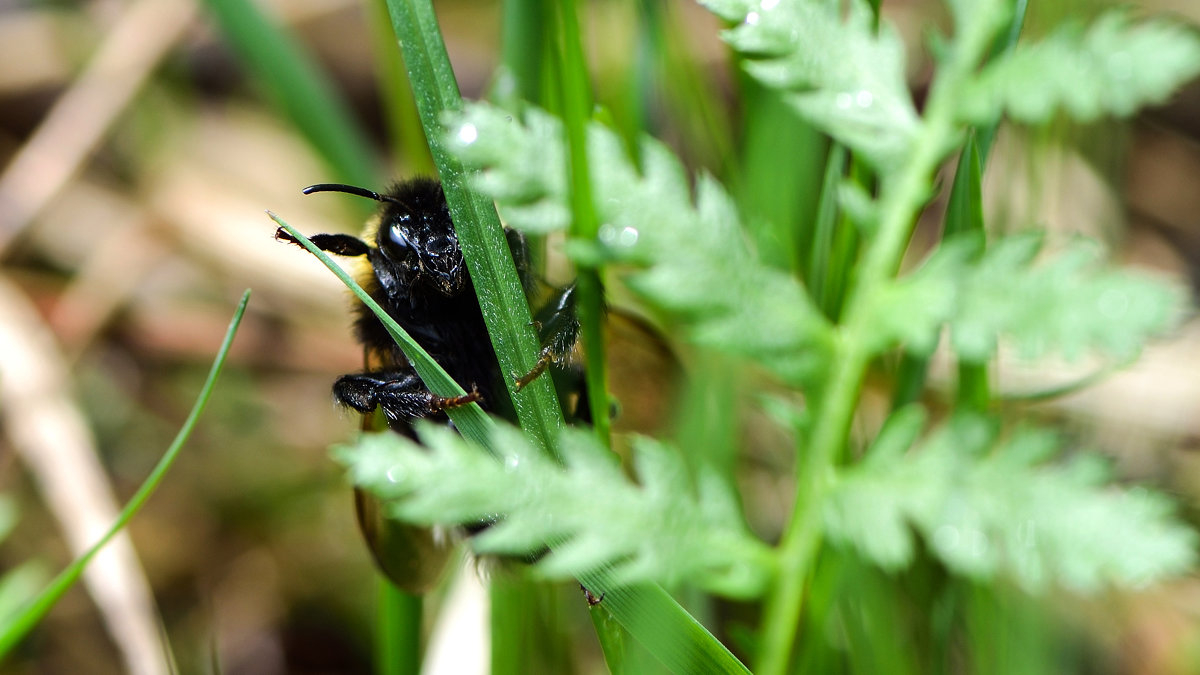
{"x": 576, "y": 106}
{"x": 901, "y": 200}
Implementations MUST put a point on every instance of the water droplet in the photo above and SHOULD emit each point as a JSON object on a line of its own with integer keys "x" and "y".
{"x": 625, "y": 237}
{"x": 628, "y": 237}
{"x": 467, "y": 134}
{"x": 752, "y": 18}
{"x": 864, "y": 98}
{"x": 396, "y": 474}
{"x": 512, "y": 463}
{"x": 844, "y": 101}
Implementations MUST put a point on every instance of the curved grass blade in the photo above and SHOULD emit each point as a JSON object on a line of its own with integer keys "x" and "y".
{"x": 21, "y": 623}
{"x": 470, "y": 419}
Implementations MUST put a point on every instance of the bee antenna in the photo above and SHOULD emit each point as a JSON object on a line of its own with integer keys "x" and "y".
{"x": 353, "y": 190}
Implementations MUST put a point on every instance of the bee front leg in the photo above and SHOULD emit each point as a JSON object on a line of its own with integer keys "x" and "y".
{"x": 337, "y": 244}
{"x": 400, "y": 394}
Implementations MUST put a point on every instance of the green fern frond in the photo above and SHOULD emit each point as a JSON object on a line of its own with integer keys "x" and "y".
{"x": 842, "y": 74}
{"x": 1068, "y": 304}
{"x": 987, "y": 505}
{"x": 692, "y": 257}
{"x": 1113, "y": 68}
{"x": 590, "y": 515}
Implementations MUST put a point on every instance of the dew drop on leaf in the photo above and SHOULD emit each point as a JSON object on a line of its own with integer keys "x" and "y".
{"x": 467, "y": 134}
{"x": 624, "y": 237}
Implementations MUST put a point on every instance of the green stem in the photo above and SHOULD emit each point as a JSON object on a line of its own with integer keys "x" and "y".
{"x": 901, "y": 200}
{"x": 577, "y": 101}
{"x": 398, "y": 645}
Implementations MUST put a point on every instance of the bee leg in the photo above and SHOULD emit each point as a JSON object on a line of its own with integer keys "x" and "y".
{"x": 592, "y": 598}
{"x": 558, "y": 330}
{"x": 401, "y": 395}
{"x": 338, "y": 244}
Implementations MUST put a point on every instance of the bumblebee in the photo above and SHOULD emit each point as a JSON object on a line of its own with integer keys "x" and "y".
{"x": 416, "y": 272}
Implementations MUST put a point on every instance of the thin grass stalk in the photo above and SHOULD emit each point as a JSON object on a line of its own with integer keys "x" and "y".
{"x": 16, "y": 627}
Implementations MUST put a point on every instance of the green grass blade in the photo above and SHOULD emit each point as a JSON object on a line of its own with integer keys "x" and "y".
{"x": 820, "y": 263}
{"x": 470, "y": 420}
{"x": 1006, "y": 42}
{"x": 522, "y": 41}
{"x": 485, "y": 249}
{"x": 612, "y": 640}
{"x": 577, "y": 102}
{"x": 298, "y": 87}
{"x": 780, "y": 188}
{"x": 398, "y": 645}
{"x": 21, "y": 623}
{"x": 665, "y": 629}
{"x": 964, "y": 218}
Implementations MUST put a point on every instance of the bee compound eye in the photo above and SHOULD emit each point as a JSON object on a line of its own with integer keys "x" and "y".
{"x": 396, "y": 243}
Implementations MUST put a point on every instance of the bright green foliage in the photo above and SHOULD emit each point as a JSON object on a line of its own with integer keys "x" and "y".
{"x": 20, "y": 583}
{"x": 663, "y": 530}
{"x": 1068, "y": 304}
{"x": 988, "y": 505}
{"x": 843, "y": 75}
{"x": 1113, "y": 68}
{"x": 699, "y": 265}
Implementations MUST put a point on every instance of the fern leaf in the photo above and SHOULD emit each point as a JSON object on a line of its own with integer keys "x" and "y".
{"x": 988, "y": 506}
{"x": 693, "y": 260}
{"x": 1113, "y": 68}
{"x": 842, "y": 74}
{"x": 1068, "y": 304}
{"x": 590, "y": 515}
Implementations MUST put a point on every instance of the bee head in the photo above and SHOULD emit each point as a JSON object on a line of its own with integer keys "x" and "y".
{"x": 415, "y": 239}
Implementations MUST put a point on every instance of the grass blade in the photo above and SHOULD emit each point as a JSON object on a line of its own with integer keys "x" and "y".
{"x": 470, "y": 420}
{"x": 665, "y": 629}
{"x": 21, "y": 623}
{"x": 501, "y": 297}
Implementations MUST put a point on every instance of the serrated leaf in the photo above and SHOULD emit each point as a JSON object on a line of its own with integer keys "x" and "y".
{"x": 842, "y": 73}
{"x": 588, "y": 513}
{"x": 987, "y": 506}
{"x": 1114, "y": 68}
{"x": 1069, "y": 304}
{"x": 690, "y": 255}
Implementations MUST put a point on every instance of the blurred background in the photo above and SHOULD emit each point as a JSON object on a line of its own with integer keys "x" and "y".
{"x": 137, "y": 157}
